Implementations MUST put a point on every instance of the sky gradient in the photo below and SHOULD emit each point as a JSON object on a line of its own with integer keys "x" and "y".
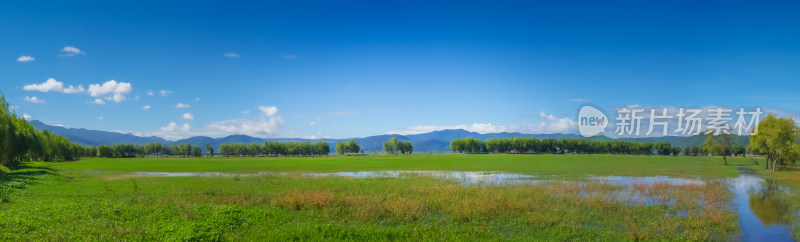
{"x": 342, "y": 69}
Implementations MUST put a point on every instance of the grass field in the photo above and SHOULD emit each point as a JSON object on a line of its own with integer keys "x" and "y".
{"x": 88, "y": 199}
{"x": 569, "y": 165}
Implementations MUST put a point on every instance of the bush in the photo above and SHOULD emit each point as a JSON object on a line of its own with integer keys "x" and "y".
{"x": 4, "y": 170}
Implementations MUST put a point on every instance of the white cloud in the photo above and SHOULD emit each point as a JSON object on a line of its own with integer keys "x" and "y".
{"x": 580, "y": 100}
{"x": 99, "y": 101}
{"x": 197, "y": 99}
{"x": 116, "y": 91}
{"x": 551, "y": 125}
{"x": 26, "y": 116}
{"x": 70, "y": 51}
{"x": 182, "y": 105}
{"x": 312, "y": 123}
{"x": 550, "y": 117}
{"x": 289, "y": 56}
{"x": 146, "y": 107}
{"x": 149, "y": 92}
{"x": 188, "y": 116}
{"x": 136, "y": 97}
{"x": 100, "y": 118}
{"x": 53, "y": 85}
{"x": 70, "y": 89}
{"x": 25, "y": 58}
{"x": 165, "y": 93}
{"x": 231, "y": 55}
{"x": 33, "y": 99}
{"x": 262, "y": 127}
{"x": 268, "y": 110}
{"x": 173, "y": 131}
{"x": 246, "y": 112}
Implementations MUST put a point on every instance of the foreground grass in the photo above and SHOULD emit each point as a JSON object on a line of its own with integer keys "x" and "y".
{"x": 63, "y": 202}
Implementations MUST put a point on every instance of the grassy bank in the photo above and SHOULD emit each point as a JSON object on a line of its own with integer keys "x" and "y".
{"x": 68, "y": 201}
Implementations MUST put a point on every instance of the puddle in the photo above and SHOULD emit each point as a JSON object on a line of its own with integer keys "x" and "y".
{"x": 760, "y": 213}
{"x": 184, "y": 174}
{"x": 463, "y": 177}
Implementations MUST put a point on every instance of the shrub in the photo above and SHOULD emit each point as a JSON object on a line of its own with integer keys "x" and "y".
{"x": 4, "y": 170}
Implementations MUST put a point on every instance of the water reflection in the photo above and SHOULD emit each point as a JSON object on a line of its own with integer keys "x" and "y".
{"x": 463, "y": 177}
{"x": 760, "y": 212}
{"x": 756, "y": 199}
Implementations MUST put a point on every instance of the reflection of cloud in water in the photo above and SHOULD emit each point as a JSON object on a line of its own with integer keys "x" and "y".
{"x": 648, "y": 180}
{"x": 464, "y": 177}
{"x": 754, "y": 197}
{"x": 185, "y": 174}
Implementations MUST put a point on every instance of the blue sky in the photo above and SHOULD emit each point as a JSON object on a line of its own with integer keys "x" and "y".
{"x": 359, "y": 68}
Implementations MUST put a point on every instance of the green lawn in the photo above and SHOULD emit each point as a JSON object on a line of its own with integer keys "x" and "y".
{"x": 567, "y": 165}
{"x": 72, "y": 201}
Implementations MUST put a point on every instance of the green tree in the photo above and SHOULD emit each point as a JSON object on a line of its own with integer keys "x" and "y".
{"x": 719, "y": 145}
{"x": 209, "y": 150}
{"x": 776, "y": 141}
{"x": 391, "y": 146}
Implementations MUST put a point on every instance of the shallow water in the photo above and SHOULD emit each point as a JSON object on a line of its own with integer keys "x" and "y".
{"x": 464, "y": 177}
{"x": 760, "y": 213}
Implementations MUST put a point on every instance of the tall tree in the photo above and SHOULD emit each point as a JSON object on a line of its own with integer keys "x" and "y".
{"x": 776, "y": 141}
{"x": 209, "y": 150}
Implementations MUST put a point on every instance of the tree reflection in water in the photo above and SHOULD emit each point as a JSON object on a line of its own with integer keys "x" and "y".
{"x": 766, "y": 205}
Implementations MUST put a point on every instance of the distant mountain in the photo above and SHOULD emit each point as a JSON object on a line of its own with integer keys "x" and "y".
{"x": 436, "y": 141}
{"x": 95, "y": 137}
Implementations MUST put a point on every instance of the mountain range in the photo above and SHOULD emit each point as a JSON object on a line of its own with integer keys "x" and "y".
{"x": 436, "y": 141}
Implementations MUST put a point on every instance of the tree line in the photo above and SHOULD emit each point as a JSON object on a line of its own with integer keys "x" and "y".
{"x": 349, "y": 147}
{"x": 274, "y": 148}
{"x": 20, "y": 141}
{"x": 397, "y": 147}
{"x": 533, "y": 145}
{"x": 149, "y": 149}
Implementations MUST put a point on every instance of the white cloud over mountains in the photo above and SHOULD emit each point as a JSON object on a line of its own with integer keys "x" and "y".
{"x": 268, "y": 124}
{"x": 550, "y": 124}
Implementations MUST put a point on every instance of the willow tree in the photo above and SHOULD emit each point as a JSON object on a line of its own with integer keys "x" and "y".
{"x": 776, "y": 141}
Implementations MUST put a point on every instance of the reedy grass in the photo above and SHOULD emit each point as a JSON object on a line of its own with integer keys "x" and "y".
{"x": 85, "y": 206}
